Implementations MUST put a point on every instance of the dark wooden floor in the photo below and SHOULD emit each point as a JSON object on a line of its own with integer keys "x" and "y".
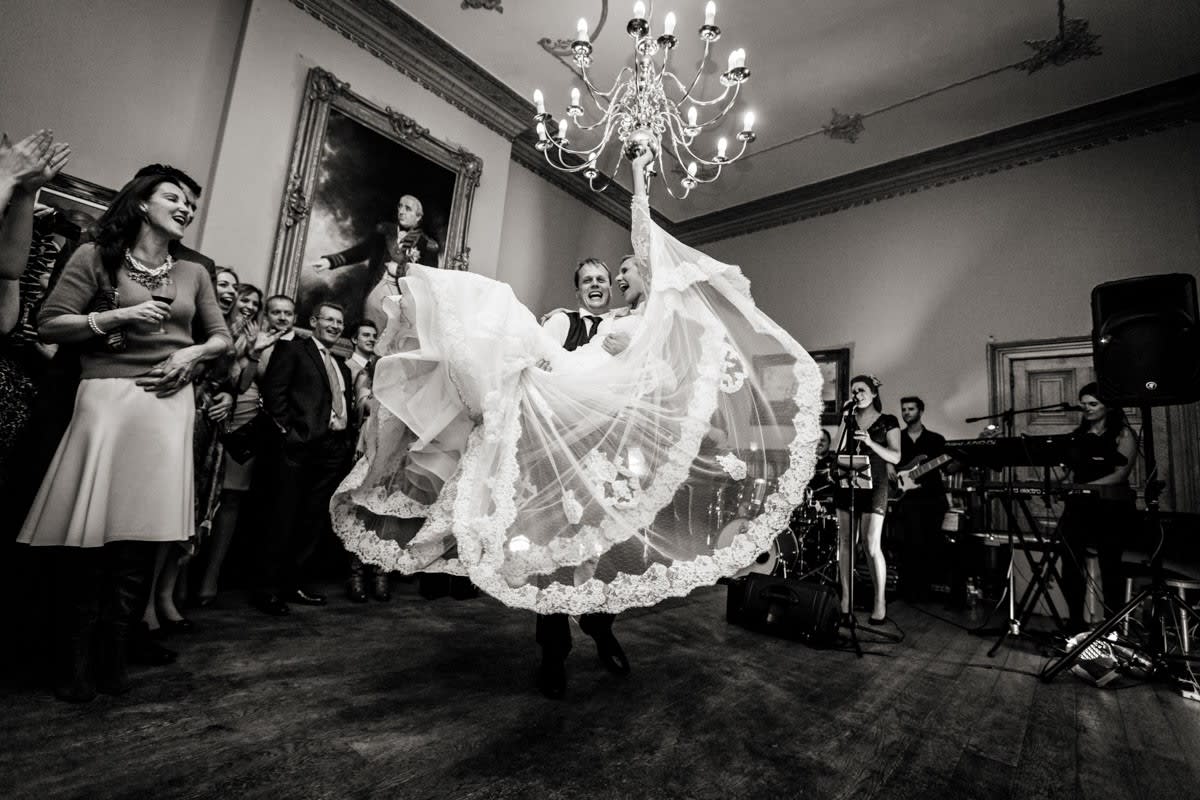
{"x": 434, "y": 699}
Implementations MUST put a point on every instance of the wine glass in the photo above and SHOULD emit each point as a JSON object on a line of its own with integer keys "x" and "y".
{"x": 164, "y": 293}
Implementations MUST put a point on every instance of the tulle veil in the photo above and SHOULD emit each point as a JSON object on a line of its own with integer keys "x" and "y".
{"x": 604, "y": 483}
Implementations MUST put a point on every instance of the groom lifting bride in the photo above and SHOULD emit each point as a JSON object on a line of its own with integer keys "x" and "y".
{"x": 555, "y": 467}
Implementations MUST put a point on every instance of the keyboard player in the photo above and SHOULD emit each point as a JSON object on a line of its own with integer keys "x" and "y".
{"x": 1100, "y": 512}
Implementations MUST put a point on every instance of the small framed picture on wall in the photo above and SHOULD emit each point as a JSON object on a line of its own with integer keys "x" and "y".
{"x": 835, "y": 381}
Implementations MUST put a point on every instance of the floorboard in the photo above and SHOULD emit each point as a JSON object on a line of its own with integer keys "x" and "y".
{"x": 435, "y": 699}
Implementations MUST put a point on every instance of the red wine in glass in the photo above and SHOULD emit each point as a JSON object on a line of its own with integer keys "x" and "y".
{"x": 164, "y": 293}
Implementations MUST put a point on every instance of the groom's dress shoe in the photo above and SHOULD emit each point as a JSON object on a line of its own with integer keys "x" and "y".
{"x": 272, "y": 604}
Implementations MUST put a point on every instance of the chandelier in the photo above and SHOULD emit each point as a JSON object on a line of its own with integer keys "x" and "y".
{"x": 648, "y": 106}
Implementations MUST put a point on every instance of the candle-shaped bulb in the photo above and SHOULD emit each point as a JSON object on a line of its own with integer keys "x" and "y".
{"x": 710, "y": 13}
{"x": 562, "y": 129}
{"x": 732, "y": 59}
{"x": 721, "y": 145}
{"x": 741, "y": 57}
{"x": 691, "y": 116}
{"x": 574, "y": 96}
{"x": 692, "y": 170}
{"x": 581, "y": 31}
{"x": 539, "y": 101}
{"x": 541, "y": 129}
{"x": 639, "y": 10}
{"x": 669, "y": 24}
{"x": 748, "y": 121}
{"x": 592, "y": 156}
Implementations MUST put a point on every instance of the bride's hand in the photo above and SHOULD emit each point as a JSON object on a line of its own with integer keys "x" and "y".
{"x": 615, "y": 343}
{"x": 544, "y": 364}
{"x": 640, "y": 162}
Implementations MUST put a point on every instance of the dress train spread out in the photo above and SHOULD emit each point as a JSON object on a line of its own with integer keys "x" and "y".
{"x": 600, "y": 484}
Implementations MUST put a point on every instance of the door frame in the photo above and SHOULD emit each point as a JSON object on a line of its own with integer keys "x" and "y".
{"x": 1000, "y": 356}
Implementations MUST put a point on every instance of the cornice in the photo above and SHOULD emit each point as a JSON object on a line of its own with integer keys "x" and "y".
{"x": 1167, "y": 105}
{"x": 399, "y": 40}
{"x": 403, "y": 43}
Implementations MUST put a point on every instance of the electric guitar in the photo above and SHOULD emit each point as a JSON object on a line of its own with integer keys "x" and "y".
{"x": 906, "y": 479}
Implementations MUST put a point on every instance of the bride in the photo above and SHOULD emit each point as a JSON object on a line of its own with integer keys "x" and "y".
{"x": 580, "y": 482}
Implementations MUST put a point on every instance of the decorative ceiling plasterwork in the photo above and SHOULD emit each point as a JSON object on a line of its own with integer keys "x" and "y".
{"x": 1073, "y": 42}
{"x": 561, "y": 48}
{"x": 400, "y": 41}
{"x": 486, "y": 5}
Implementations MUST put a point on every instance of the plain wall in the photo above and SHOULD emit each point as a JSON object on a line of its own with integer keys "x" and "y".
{"x": 126, "y": 82}
{"x": 546, "y": 233}
{"x": 921, "y": 283}
{"x": 280, "y": 45}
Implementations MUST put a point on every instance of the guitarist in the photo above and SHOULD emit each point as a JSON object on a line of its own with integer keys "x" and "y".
{"x": 919, "y": 511}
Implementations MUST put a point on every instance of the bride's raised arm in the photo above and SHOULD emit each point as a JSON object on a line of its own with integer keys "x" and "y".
{"x": 640, "y": 228}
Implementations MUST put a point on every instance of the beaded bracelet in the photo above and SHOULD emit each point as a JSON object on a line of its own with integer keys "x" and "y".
{"x": 91, "y": 319}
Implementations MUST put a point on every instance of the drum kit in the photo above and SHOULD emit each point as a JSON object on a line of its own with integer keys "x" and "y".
{"x": 806, "y": 550}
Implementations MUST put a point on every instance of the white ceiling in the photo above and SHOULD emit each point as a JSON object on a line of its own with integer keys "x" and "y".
{"x": 811, "y": 56}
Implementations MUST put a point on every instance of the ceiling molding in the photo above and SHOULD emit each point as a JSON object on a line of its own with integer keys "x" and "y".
{"x": 403, "y": 43}
{"x": 399, "y": 40}
{"x": 1139, "y": 113}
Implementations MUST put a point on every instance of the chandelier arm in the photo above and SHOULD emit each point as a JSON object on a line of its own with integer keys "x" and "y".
{"x": 713, "y": 101}
{"x": 699, "y": 70}
{"x": 594, "y": 92}
{"x": 714, "y": 177}
{"x": 676, "y": 127}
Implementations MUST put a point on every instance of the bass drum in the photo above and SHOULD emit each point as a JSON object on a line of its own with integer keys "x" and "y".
{"x": 781, "y": 559}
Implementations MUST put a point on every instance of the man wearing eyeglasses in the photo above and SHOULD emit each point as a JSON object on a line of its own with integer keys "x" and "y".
{"x": 308, "y": 392}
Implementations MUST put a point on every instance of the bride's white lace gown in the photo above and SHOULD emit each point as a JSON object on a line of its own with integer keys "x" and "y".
{"x": 605, "y": 482}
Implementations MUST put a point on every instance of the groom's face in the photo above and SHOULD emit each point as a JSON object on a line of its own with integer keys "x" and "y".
{"x": 595, "y": 288}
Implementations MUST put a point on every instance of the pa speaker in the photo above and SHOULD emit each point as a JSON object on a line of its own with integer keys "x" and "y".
{"x": 1146, "y": 341}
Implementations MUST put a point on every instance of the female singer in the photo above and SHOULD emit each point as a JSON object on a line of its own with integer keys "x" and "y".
{"x": 866, "y": 431}
{"x": 1100, "y": 510}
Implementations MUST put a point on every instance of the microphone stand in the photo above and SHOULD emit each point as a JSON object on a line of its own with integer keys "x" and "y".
{"x": 849, "y": 423}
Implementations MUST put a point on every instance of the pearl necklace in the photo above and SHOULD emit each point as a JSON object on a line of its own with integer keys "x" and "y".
{"x": 150, "y": 278}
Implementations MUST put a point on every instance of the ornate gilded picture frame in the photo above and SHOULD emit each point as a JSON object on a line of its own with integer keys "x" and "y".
{"x": 342, "y": 236}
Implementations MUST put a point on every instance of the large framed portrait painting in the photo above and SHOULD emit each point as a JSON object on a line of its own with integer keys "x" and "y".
{"x": 370, "y": 192}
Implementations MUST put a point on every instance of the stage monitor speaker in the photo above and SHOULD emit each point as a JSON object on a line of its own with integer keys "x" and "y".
{"x": 1146, "y": 340}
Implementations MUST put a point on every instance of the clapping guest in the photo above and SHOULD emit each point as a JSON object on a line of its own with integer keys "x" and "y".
{"x": 242, "y": 432}
{"x": 121, "y": 480}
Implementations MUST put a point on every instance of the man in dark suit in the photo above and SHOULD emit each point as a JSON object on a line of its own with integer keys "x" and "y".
{"x": 308, "y": 393}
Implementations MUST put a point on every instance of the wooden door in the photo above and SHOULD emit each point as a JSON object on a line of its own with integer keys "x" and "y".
{"x": 1037, "y": 373}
